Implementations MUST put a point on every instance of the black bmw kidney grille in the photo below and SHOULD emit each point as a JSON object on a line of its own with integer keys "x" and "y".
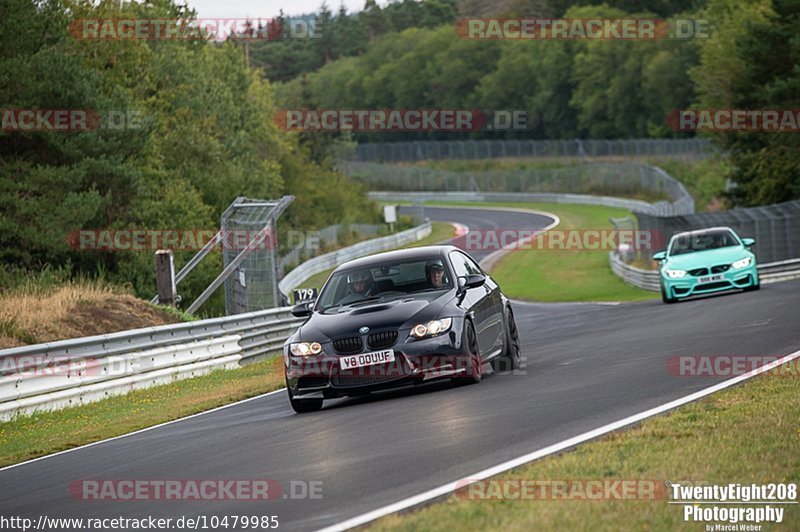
{"x": 348, "y": 346}
{"x": 720, "y": 268}
{"x": 698, "y": 272}
{"x": 382, "y": 340}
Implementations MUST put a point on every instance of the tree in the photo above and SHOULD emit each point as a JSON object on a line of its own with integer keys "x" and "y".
{"x": 766, "y": 165}
{"x": 750, "y": 62}
{"x": 325, "y": 29}
{"x": 373, "y": 18}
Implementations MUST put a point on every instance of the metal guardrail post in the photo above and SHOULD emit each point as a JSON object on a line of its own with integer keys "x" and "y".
{"x": 165, "y": 277}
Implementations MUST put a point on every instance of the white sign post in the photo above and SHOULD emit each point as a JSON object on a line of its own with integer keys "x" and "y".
{"x": 390, "y": 216}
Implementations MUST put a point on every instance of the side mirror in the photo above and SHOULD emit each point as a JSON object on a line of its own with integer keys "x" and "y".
{"x": 466, "y": 282}
{"x": 661, "y": 255}
{"x": 302, "y": 310}
{"x": 748, "y": 242}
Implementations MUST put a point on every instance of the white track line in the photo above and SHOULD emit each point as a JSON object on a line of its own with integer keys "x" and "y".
{"x": 566, "y": 444}
{"x": 141, "y": 430}
{"x": 490, "y": 260}
{"x": 460, "y": 229}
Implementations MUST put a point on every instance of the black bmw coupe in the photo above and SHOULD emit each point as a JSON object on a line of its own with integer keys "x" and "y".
{"x": 398, "y": 318}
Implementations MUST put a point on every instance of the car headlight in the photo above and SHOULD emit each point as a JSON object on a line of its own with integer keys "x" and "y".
{"x": 742, "y": 263}
{"x": 676, "y": 274}
{"x": 432, "y": 328}
{"x": 305, "y": 349}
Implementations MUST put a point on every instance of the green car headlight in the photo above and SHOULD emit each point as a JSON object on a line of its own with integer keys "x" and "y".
{"x": 676, "y": 274}
{"x": 742, "y": 263}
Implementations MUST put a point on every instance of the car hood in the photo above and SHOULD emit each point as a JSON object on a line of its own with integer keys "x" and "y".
{"x": 395, "y": 314}
{"x": 711, "y": 257}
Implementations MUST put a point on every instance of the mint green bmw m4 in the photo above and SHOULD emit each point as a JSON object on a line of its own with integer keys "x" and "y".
{"x": 706, "y": 261}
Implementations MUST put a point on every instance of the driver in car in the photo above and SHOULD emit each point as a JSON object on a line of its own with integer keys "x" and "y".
{"x": 360, "y": 286}
{"x": 434, "y": 271}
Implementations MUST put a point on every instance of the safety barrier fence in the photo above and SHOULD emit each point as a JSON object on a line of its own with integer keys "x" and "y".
{"x": 771, "y": 272}
{"x": 81, "y": 370}
{"x": 487, "y": 149}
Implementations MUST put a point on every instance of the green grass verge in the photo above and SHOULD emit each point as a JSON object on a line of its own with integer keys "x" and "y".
{"x": 560, "y": 275}
{"x": 439, "y": 231}
{"x": 27, "y": 437}
{"x": 548, "y": 276}
{"x": 747, "y": 434}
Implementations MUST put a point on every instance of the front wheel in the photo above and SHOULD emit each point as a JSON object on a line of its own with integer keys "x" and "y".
{"x": 665, "y": 298}
{"x": 475, "y": 369}
{"x": 753, "y": 288}
{"x": 509, "y": 360}
{"x": 301, "y": 406}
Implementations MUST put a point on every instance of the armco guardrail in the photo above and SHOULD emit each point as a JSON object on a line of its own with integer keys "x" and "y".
{"x": 772, "y": 272}
{"x": 572, "y": 183}
{"x": 644, "y": 279}
{"x": 72, "y": 372}
{"x": 330, "y": 260}
{"x": 509, "y": 197}
{"x": 776, "y": 227}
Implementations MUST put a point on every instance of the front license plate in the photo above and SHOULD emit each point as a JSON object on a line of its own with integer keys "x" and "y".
{"x": 366, "y": 359}
{"x": 709, "y": 279}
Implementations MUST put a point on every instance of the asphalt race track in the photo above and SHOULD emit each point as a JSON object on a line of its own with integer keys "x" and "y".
{"x": 586, "y": 365}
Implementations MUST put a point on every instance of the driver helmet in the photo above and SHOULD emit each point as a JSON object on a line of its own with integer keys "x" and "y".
{"x": 362, "y": 278}
{"x": 433, "y": 266}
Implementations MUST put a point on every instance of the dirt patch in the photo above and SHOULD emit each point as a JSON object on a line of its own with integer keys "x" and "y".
{"x": 118, "y": 313}
{"x": 73, "y": 312}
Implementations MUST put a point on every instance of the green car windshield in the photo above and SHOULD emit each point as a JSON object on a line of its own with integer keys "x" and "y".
{"x": 692, "y": 242}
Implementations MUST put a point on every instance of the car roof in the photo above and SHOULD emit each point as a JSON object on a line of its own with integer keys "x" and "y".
{"x": 400, "y": 254}
{"x": 703, "y": 231}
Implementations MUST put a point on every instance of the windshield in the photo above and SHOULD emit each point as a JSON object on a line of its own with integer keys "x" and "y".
{"x": 689, "y": 243}
{"x": 385, "y": 281}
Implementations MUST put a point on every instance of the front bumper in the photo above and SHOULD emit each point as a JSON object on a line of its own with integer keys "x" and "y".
{"x": 416, "y": 361}
{"x": 731, "y": 280}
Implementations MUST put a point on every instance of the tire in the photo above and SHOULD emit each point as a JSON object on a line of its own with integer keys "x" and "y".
{"x": 753, "y": 288}
{"x": 476, "y": 366}
{"x": 665, "y": 298}
{"x": 302, "y": 406}
{"x": 509, "y": 359}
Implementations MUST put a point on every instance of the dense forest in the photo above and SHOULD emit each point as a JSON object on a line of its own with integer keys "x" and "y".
{"x": 207, "y": 134}
{"x": 395, "y": 57}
